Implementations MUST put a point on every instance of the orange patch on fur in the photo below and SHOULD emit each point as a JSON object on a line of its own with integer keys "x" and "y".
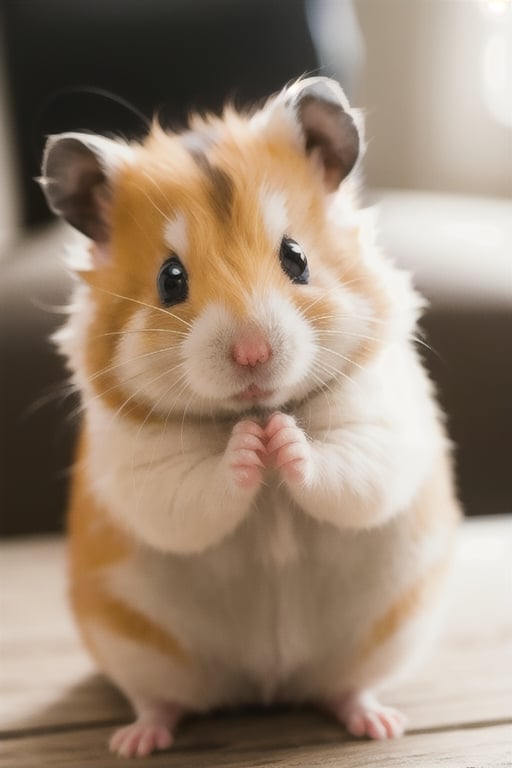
{"x": 403, "y": 610}
{"x": 435, "y": 513}
{"x": 94, "y": 540}
{"x": 95, "y": 543}
{"x": 437, "y": 505}
{"x": 121, "y": 619}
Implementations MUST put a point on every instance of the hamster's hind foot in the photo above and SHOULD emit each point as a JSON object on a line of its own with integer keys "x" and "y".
{"x": 152, "y": 731}
{"x": 363, "y": 715}
{"x": 140, "y": 739}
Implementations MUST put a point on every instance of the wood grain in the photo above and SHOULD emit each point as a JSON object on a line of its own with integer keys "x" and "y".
{"x": 223, "y": 743}
{"x": 54, "y": 706}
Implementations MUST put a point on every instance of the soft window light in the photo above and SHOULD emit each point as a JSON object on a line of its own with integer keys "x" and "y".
{"x": 496, "y": 60}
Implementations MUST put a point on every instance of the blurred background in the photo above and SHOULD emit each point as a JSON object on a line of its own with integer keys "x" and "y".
{"x": 435, "y": 80}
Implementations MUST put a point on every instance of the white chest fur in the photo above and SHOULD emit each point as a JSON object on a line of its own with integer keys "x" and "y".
{"x": 283, "y": 596}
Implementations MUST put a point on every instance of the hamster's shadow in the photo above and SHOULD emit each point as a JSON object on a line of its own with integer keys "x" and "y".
{"x": 256, "y": 732}
{"x": 90, "y": 702}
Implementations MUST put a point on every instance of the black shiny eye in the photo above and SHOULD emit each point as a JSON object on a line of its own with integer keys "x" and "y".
{"x": 172, "y": 282}
{"x": 293, "y": 261}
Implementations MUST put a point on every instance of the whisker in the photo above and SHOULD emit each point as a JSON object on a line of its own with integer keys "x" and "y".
{"x": 341, "y": 332}
{"x": 110, "y": 368}
{"x": 145, "y": 304}
{"x": 142, "y": 229}
{"x": 120, "y": 384}
{"x": 325, "y": 366}
{"x": 189, "y": 402}
{"x": 142, "y": 330}
{"x": 418, "y": 340}
{"x": 176, "y": 399}
{"x": 348, "y": 316}
{"x": 78, "y": 411}
{"x": 335, "y": 289}
{"x": 149, "y": 198}
{"x": 55, "y": 309}
{"x": 343, "y": 357}
{"x": 137, "y": 438}
{"x": 320, "y": 381}
{"x": 129, "y": 399}
{"x": 159, "y": 188}
{"x": 171, "y": 408}
{"x": 325, "y": 389}
{"x": 59, "y": 392}
{"x": 83, "y": 406}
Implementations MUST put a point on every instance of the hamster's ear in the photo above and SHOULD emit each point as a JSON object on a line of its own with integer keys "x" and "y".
{"x": 76, "y": 175}
{"x": 330, "y": 132}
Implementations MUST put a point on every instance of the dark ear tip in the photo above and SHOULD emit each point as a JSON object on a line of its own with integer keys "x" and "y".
{"x": 329, "y": 126}
{"x": 69, "y": 145}
{"x": 52, "y": 153}
{"x": 74, "y": 167}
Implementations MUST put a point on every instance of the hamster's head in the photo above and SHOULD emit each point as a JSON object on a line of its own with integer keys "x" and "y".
{"x": 226, "y": 271}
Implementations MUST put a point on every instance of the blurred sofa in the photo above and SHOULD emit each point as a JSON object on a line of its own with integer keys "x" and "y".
{"x": 459, "y": 251}
{"x": 195, "y": 53}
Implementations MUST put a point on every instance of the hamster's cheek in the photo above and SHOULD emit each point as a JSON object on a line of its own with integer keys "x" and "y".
{"x": 346, "y": 328}
{"x": 147, "y": 363}
{"x": 278, "y": 352}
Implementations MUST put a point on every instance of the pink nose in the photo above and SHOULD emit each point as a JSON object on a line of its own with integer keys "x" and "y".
{"x": 251, "y": 350}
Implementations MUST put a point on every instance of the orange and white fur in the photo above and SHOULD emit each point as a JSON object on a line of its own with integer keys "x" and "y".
{"x": 262, "y": 506}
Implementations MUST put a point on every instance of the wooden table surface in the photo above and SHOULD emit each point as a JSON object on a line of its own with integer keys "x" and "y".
{"x": 55, "y": 710}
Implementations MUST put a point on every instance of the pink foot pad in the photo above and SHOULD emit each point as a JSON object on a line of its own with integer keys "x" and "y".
{"x": 151, "y": 732}
{"x": 363, "y": 715}
{"x": 140, "y": 739}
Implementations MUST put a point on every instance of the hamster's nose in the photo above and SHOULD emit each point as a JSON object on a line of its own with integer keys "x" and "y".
{"x": 251, "y": 349}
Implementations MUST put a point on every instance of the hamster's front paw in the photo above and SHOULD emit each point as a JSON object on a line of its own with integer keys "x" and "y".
{"x": 245, "y": 452}
{"x": 289, "y": 449}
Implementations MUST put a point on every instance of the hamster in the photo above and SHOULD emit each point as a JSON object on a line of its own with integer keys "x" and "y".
{"x": 262, "y": 506}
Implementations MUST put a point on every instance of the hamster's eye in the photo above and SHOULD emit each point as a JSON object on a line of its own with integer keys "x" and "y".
{"x": 293, "y": 261}
{"x": 172, "y": 282}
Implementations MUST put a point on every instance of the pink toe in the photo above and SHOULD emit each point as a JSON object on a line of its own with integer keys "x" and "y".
{"x": 131, "y": 746}
{"x": 388, "y": 725}
{"x": 355, "y": 724}
{"x": 127, "y": 746}
{"x": 147, "y": 743}
{"x": 150, "y": 732}
{"x": 397, "y": 724}
{"x": 374, "y": 727}
{"x": 363, "y": 715}
{"x": 163, "y": 738}
{"x": 116, "y": 739}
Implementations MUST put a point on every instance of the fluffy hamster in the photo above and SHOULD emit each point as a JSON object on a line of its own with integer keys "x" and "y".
{"x": 262, "y": 506}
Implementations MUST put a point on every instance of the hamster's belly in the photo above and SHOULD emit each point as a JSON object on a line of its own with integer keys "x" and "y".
{"x": 282, "y": 599}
